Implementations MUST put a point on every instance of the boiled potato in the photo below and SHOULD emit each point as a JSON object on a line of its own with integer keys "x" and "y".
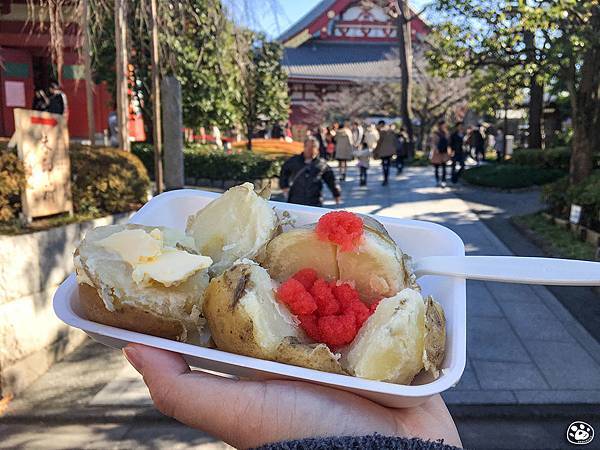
{"x": 110, "y": 295}
{"x": 391, "y": 345}
{"x": 377, "y": 268}
{"x": 236, "y": 225}
{"x": 298, "y": 249}
{"x": 245, "y": 318}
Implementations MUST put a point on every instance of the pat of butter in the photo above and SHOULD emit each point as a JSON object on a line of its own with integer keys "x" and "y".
{"x": 171, "y": 267}
{"x": 134, "y": 245}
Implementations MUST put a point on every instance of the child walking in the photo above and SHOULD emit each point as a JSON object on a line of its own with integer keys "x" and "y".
{"x": 364, "y": 155}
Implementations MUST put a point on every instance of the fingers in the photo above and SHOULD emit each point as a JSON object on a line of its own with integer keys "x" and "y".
{"x": 207, "y": 402}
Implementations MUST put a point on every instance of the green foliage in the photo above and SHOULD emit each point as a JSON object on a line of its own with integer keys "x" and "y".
{"x": 200, "y": 46}
{"x": 556, "y": 240}
{"x": 106, "y": 180}
{"x": 210, "y": 162}
{"x": 12, "y": 182}
{"x": 549, "y": 158}
{"x": 263, "y": 87}
{"x": 103, "y": 181}
{"x": 559, "y": 196}
{"x": 510, "y": 176}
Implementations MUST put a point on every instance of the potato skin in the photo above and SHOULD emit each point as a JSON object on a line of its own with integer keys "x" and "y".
{"x": 311, "y": 356}
{"x": 435, "y": 336}
{"x": 231, "y": 327}
{"x": 129, "y": 317}
{"x": 234, "y": 330}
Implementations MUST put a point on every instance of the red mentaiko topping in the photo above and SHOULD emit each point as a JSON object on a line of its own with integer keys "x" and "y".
{"x": 342, "y": 228}
{"x": 307, "y": 277}
{"x": 327, "y": 304}
{"x": 337, "y": 330}
{"x": 295, "y": 296}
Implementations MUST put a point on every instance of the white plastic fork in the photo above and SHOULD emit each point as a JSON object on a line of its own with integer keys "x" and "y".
{"x": 512, "y": 269}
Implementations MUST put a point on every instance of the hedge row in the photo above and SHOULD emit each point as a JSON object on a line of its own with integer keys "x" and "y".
{"x": 511, "y": 176}
{"x": 559, "y": 196}
{"x": 103, "y": 181}
{"x": 549, "y": 158}
{"x": 210, "y": 162}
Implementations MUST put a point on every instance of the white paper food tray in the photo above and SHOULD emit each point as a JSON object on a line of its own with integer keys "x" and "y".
{"x": 417, "y": 238}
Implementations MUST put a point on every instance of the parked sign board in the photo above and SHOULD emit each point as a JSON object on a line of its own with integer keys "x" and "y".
{"x": 42, "y": 141}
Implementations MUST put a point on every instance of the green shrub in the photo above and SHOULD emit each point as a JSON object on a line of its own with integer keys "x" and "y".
{"x": 510, "y": 176}
{"x": 107, "y": 180}
{"x": 12, "y": 181}
{"x": 559, "y": 196}
{"x": 208, "y": 161}
{"x": 549, "y": 158}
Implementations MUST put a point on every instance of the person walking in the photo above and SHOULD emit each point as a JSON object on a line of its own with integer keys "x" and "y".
{"x": 321, "y": 136}
{"x": 371, "y": 137}
{"x": 401, "y": 149}
{"x": 499, "y": 145}
{"x": 357, "y": 135}
{"x": 458, "y": 154}
{"x": 302, "y": 177}
{"x": 364, "y": 156}
{"x": 478, "y": 143}
{"x": 385, "y": 149}
{"x": 439, "y": 154}
{"x": 343, "y": 149}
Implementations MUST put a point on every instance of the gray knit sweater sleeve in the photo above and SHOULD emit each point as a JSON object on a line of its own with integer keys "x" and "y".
{"x": 372, "y": 442}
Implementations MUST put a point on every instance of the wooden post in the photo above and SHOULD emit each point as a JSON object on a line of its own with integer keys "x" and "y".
{"x": 405, "y": 57}
{"x": 174, "y": 169}
{"x": 89, "y": 94}
{"x": 122, "y": 73}
{"x": 157, "y": 126}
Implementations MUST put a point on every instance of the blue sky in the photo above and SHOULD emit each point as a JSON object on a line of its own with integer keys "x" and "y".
{"x": 290, "y": 12}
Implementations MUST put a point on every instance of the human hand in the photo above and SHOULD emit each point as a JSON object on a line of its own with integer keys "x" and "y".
{"x": 252, "y": 413}
{"x": 338, "y": 200}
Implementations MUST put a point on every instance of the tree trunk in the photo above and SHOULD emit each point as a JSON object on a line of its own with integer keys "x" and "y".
{"x": 249, "y": 131}
{"x": 173, "y": 125}
{"x": 536, "y": 96}
{"x": 405, "y": 56}
{"x": 122, "y": 73}
{"x": 87, "y": 66}
{"x": 585, "y": 105}
{"x": 536, "y": 110}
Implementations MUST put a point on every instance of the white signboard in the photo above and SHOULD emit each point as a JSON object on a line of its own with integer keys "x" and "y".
{"x": 42, "y": 142}
{"x": 14, "y": 94}
{"x": 575, "y": 216}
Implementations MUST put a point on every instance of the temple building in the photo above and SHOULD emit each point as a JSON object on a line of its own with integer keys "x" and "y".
{"x": 340, "y": 43}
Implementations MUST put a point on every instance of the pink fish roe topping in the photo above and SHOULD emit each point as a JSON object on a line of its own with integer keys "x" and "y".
{"x": 342, "y": 228}
{"x": 330, "y": 313}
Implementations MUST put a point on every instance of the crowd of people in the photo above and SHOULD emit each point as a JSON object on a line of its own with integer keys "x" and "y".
{"x": 303, "y": 176}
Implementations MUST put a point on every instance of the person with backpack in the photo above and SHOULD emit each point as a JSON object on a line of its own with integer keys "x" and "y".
{"x": 439, "y": 153}
{"x": 302, "y": 177}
